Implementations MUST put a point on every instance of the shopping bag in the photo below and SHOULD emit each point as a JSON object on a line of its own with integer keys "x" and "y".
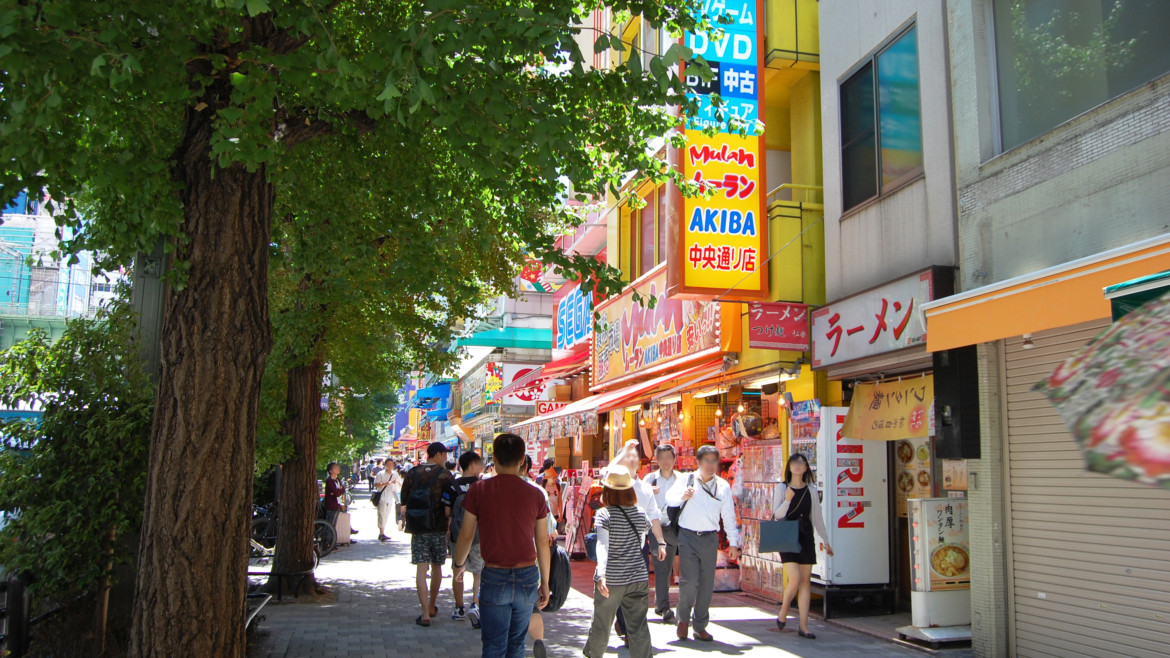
{"x": 779, "y": 537}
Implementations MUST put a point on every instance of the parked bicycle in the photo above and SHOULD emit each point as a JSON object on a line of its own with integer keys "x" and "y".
{"x": 266, "y": 524}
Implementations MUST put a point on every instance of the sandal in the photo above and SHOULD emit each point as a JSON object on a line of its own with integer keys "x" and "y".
{"x": 422, "y": 622}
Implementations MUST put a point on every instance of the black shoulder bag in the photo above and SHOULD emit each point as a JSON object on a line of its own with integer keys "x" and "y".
{"x": 673, "y": 513}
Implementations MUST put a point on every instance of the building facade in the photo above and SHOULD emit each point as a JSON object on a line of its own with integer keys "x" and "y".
{"x": 1061, "y": 114}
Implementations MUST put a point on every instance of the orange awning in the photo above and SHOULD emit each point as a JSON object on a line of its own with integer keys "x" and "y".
{"x": 1060, "y": 296}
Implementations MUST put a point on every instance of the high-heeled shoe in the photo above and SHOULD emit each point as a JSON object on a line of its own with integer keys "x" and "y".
{"x": 780, "y": 624}
{"x": 810, "y": 636}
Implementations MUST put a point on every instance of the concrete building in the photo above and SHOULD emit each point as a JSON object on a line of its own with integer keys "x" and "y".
{"x": 1061, "y": 115}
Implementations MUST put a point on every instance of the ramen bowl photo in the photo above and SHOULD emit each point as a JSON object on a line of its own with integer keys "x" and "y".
{"x": 950, "y": 561}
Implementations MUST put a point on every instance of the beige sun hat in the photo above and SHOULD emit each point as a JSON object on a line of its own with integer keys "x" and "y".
{"x": 617, "y": 477}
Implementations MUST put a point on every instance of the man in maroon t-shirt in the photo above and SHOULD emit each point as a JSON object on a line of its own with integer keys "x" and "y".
{"x": 511, "y": 516}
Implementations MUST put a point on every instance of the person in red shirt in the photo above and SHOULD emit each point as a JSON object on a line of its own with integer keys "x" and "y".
{"x": 511, "y": 515}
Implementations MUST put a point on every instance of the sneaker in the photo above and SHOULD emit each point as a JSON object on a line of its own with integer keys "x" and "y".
{"x": 539, "y": 650}
{"x": 473, "y": 615}
{"x": 458, "y": 615}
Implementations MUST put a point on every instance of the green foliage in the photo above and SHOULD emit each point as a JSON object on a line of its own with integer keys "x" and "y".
{"x": 95, "y": 94}
{"x": 77, "y": 490}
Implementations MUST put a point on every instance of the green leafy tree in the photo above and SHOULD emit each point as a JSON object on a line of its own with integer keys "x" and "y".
{"x": 172, "y": 121}
{"x": 73, "y": 493}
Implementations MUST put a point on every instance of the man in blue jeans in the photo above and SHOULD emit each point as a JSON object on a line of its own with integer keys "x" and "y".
{"x": 513, "y": 541}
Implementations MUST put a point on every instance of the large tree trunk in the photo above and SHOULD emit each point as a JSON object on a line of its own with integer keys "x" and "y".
{"x": 298, "y": 476}
{"x": 191, "y": 586}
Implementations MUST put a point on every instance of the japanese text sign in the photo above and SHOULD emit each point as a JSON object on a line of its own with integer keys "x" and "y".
{"x": 724, "y": 244}
{"x": 882, "y": 320}
{"x": 891, "y": 410}
{"x": 573, "y": 319}
{"x": 633, "y": 338}
{"x": 778, "y": 326}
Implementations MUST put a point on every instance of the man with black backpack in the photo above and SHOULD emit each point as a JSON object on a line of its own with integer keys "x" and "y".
{"x": 426, "y": 521}
{"x": 471, "y": 465}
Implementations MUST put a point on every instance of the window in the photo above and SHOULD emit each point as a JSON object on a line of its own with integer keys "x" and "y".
{"x": 881, "y": 121}
{"x": 646, "y": 234}
{"x": 1058, "y": 58}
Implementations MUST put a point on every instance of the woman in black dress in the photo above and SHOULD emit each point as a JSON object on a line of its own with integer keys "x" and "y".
{"x": 797, "y": 500}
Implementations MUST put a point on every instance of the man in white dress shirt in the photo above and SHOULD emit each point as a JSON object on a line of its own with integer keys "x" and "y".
{"x": 705, "y": 498}
{"x": 660, "y": 482}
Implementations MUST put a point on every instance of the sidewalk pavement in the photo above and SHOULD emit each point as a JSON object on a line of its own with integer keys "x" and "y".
{"x": 376, "y": 606}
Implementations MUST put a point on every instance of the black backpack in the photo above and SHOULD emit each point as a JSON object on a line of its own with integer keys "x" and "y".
{"x": 420, "y": 506}
{"x": 456, "y": 525}
{"x": 560, "y": 574}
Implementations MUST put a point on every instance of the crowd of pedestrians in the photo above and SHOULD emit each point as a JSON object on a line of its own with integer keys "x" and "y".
{"x": 492, "y": 519}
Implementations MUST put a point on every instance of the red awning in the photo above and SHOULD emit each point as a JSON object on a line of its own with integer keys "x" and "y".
{"x": 569, "y": 365}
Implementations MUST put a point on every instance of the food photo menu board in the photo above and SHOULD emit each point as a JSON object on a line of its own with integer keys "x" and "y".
{"x": 912, "y": 472}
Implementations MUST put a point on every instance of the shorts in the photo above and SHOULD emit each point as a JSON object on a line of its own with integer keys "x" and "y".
{"x": 474, "y": 562}
{"x": 429, "y": 548}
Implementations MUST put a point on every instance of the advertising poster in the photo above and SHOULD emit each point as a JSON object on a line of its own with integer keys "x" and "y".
{"x": 912, "y": 472}
{"x": 941, "y": 550}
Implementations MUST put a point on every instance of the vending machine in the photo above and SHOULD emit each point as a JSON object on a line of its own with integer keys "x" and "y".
{"x": 852, "y": 478}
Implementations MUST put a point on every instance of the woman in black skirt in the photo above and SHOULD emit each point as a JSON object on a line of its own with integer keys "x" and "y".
{"x": 797, "y": 500}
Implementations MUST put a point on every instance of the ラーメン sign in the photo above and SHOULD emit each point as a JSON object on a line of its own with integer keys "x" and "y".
{"x": 724, "y": 245}
{"x": 632, "y": 338}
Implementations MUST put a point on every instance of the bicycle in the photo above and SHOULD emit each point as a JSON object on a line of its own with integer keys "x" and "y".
{"x": 265, "y": 527}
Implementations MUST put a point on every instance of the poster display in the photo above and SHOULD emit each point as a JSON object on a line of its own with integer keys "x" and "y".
{"x": 912, "y": 472}
{"x": 940, "y": 550}
{"x": 762, "y": 471}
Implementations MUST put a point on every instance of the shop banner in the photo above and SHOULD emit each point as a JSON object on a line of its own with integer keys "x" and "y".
{"x": 778, "y": 326}
{"x": 573, "y": 319}
{"x": 724, "y": 246}
{"x": 885, "y": 319}
{"x": 632, "y": 338}
{"x": 892, "y": 410}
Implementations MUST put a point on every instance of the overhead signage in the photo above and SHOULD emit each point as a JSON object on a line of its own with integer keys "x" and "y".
{"x": 724, "y": 245}
{"x": 891, "y": 410}
{"x": 778, "y": 326}
{"x": 573, "y": 319}
{"x": 634, "y": 338}
{"x": 885, "y": 319}
{"x": 544, "y": 407}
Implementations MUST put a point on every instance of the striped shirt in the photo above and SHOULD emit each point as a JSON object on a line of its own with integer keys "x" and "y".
{"x": 619, "y": 545}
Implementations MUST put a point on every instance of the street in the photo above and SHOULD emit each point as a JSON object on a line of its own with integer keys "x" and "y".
{"x": 376, "y": 606}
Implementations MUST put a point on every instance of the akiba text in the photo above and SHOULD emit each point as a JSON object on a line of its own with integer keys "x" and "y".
{"x": 722, "y": 221}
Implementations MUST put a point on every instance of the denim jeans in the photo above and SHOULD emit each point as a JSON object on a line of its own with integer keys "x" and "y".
{"x": 507, "y": 598}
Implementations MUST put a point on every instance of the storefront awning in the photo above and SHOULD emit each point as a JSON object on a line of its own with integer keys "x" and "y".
{"x": 565, "y": 367}
{"x": 436, "y": 392}
{"x": 513, "y": 337}
{"x": 438, "y": 414}
{"x": 1056, "y": 297}
{"x": 1128, "y": 296}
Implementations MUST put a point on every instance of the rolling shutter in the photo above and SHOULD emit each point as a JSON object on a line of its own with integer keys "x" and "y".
{"x": 1089, "y": 560}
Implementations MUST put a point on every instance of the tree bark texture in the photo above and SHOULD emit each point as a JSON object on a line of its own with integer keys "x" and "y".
{"x": 190, "y": 590}
{"x": 298, "y": 475}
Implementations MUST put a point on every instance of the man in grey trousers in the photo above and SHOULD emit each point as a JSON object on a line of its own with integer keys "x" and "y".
{"x": 661, "y": 481}
{"x": 704, "y": 500}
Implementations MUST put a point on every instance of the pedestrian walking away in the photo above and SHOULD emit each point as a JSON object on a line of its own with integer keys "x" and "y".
{"x": 620, "y": 581}
{"x": 660, "y": 482}
{"x": 512, "y": 518}
{"x": 426, "y": 521}
{"x": 536, "y": 622}
{"x": 704, "y": 498}
{"x": 798, "y": 500}
{"x": 471, "y": 465}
